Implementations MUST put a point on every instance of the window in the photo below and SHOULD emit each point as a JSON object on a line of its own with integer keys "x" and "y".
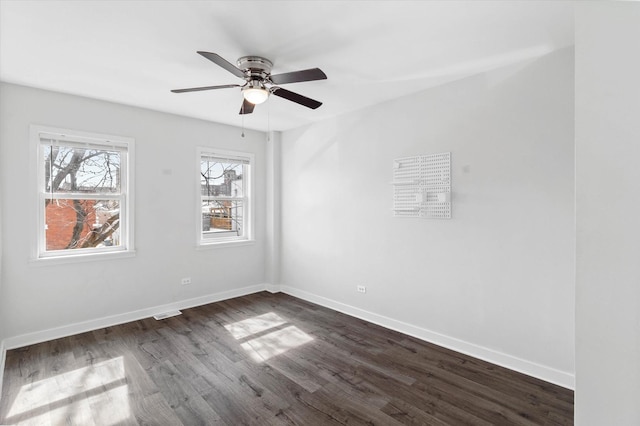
{"x": 224, "y": 188}
{"x": 83, "y": 187}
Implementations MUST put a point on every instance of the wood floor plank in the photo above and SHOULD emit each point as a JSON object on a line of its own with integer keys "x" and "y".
{"x": 483, "y": 371}
{"x": 344, "y": 376}
{"x": 153, "y": 407}
{"x": 291, "y": 369}
{"x": 408, "y": 414}
{"x": 241, "y": 398}
{"x": 465, "y": 401}
{"x": 266, "y": 359}
{"x": 430, "y": 372}
{"x": 187, "y": 404}
{"x": 483, "y": 384}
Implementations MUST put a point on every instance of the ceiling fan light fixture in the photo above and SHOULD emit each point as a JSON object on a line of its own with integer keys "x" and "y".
{"x": 255, "y": 95}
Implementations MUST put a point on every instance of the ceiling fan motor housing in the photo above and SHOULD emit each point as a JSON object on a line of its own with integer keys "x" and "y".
{"x": 255, "y": 66}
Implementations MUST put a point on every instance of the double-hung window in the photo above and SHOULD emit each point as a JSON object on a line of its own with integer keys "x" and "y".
{"x": 224, "y": 196}
{"x": 84, "y": 183}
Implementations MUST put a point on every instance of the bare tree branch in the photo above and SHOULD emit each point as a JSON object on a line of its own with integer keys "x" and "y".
{"x": 65, "y": 166}
{"x": 98, "y": 236}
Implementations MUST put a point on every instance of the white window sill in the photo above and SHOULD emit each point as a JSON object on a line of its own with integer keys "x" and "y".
{"x": 77, "y": 258}
{"x": 224, "y": 244}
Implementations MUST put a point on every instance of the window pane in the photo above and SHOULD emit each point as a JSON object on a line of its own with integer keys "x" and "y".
{"x": 72, "y": 169}
{"x": 222, "y": 219}
{"x": 81, "y": 224}
{"x": 221, "y": 179}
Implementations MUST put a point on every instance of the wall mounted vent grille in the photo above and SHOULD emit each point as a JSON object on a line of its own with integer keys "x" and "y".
{"x": 422, "y": 186}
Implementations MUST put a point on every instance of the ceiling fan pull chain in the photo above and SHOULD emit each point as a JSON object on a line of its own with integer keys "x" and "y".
{"x": 242, "y": 126}
{"x": 242, "y": 110}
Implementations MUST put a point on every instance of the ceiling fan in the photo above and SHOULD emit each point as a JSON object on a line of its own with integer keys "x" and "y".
{"x": 259, "y": 83}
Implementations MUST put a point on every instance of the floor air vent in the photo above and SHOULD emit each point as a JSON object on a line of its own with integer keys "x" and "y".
{"x": 167, "y": 315}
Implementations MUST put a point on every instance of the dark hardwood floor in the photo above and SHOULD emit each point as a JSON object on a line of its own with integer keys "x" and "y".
{"x": 265, "y": 359}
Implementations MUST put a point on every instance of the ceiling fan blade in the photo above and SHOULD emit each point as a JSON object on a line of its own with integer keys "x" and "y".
{"x": 297, "y": 76}
{"x": 247, "y": 107}
{"x": 220, "y": 61}
{"x": 299, "y": 99}
{"x": 196, "y": 89}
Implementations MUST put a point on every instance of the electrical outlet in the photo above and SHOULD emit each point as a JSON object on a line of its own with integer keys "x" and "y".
{"x": 186, "y": 281}
{"x": 361, "y": 289}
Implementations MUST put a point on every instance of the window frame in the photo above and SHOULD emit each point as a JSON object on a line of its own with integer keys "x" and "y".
{"x": 125, "y": 146}
{"x": 247, "y": 198}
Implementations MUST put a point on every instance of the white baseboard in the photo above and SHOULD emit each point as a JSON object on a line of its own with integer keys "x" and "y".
{"x": 272, "y": 288}
{"x": 82, "y": 327}
{"x": 548, "y": 374}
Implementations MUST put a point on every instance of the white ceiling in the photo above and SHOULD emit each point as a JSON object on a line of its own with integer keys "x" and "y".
{"x": 134, "y": 52}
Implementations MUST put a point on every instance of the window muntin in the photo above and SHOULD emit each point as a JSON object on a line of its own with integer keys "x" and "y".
{"x": 83, "y": 190}
{"x": 224, "y": 203}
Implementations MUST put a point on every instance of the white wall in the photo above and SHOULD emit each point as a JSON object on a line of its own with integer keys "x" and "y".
{"x": 272, "y": 215}
{"x": 2, "y": 313}
{"x": 497, "y": 280}
{"x": 36, "y": 298}
{"x": 608, "y": 212}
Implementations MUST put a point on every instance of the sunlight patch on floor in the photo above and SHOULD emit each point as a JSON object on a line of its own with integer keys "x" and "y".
{"x": 267, "y": 344}
{"x": 98, "y": 391}
{"x": 241, "y": 329}
{"x": 264, "y": 347}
